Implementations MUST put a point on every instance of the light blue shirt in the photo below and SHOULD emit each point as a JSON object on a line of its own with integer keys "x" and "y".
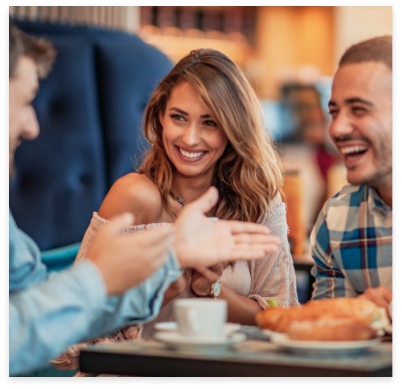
{"x": 50, "y": 311}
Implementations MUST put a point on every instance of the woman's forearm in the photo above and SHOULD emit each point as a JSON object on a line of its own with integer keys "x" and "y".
{"x": 240, "y": 309}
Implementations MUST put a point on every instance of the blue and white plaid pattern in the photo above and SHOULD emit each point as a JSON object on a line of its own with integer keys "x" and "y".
{"x": 352, "y": 244}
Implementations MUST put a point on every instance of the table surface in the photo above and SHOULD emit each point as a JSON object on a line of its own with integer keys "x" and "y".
{"x": 254, "y": 357}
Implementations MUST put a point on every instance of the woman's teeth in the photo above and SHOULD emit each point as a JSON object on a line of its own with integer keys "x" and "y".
{"x": 190, "y": 155}
{"x": 353, "y": 149}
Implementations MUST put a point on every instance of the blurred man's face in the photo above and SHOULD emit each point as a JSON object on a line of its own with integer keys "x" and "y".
{"x": 361, "y": 126}
{"x": 22, "y": 117}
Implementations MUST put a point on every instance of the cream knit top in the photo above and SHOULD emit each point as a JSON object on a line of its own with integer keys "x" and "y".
{"x": 271, "y": 277}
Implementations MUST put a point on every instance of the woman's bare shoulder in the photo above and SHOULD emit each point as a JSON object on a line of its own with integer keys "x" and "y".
{"x": 133, "y": 193}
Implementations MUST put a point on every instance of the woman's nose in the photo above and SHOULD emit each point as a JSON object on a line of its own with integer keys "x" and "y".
{"x": 191, "y": 135}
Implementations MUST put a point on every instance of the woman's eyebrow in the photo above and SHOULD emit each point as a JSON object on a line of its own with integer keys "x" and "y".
{"x": 180, "y": 111}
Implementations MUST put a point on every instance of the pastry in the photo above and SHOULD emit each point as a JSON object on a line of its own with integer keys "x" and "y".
{"x": 331, "y": 330}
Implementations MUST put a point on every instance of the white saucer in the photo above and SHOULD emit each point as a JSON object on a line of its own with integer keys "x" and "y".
{"x": 337, "y": 348}
{"x": 190, "y": 345}
{"x": 228, "y": 328}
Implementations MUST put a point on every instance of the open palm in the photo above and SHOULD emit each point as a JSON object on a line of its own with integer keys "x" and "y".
{"x": 203, "y": 241}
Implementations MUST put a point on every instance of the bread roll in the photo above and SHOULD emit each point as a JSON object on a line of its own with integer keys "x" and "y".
{"x": 279, "y": 319}
{"x": 331, "y": 330}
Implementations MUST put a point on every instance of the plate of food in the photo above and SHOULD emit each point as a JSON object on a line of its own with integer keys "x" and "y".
{"x": 326, "y": 327}
{"x": 328, "y": 337}
{"x": 326, "y": 348}
{"x": 279, "y": 319}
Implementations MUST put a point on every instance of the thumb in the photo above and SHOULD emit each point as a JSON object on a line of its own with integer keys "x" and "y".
{"x": 207, "y": 200}
{"x": 121, "y": 221}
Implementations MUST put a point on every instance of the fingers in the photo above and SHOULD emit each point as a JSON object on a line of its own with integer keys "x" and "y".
{"x": 380, "y": 296}
{"x": 209, "y": 275}
{"x": 248, "y": 253}
{"x": 385, "y": 293}
{"x": 188, "y": 272}
{"x": 238, "y": 227}
{"x": 257, "y": 239}
{"x": 206, "y": 201}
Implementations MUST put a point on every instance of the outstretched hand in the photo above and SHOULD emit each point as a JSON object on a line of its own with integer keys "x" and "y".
{"x": 202, "y": 241}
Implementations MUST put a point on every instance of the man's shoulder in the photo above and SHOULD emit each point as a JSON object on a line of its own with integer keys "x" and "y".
{"x": 339, "y": 208}
{"x": 349, "y": 195}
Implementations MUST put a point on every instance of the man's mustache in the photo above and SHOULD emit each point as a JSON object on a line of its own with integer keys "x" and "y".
{"x": 348, "y": 138}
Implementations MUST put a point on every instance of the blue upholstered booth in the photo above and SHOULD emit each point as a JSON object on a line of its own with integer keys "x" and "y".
{"x": 90, "y": 111}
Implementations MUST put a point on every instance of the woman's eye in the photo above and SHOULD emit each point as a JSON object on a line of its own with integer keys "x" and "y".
{"x": 178, "y": 118}
{"x": 210, "y": 123}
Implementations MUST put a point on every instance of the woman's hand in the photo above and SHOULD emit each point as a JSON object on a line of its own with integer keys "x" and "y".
{"x": 177, "y": 287}
{"x": 204, "y": 277}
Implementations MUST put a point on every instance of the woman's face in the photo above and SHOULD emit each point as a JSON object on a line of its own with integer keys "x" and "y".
{"x": 191, "y": 136}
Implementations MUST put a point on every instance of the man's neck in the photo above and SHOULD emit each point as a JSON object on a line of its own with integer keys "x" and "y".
{"x": 386, "y": 193}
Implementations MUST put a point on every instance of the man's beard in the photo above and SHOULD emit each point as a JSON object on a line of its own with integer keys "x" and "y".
{"x": 381, "y": 177}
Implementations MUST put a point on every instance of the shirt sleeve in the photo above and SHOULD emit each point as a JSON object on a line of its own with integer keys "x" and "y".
{"x": 51, "y": 311}
{"x": 25, "y": 264}
{"x": 330, "y": 282}
{"x": 71, "y": 306}
{"x": 274, "y": 276}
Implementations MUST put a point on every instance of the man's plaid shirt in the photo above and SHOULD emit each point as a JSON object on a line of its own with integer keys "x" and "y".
{"x": 352, "y": 244}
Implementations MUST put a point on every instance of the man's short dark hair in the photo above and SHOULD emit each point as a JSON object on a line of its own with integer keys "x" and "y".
{"x": 39, "y": 49}
{"x": 377, "y": 49}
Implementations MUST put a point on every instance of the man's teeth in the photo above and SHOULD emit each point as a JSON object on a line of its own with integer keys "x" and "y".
{"x": 191, "y": 155}
{"x": 353, "y": 149}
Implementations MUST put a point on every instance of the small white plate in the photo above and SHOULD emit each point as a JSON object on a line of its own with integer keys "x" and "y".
{"x": 327, "y": 348}
{"x": 228, "y": 328}
{"x": 198, "y": 345}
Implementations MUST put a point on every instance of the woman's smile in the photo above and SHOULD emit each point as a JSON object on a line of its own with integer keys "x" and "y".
{"x": 190, "y": 155}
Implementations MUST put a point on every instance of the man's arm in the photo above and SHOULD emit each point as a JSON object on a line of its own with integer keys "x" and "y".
{"x": 49, "y": 312}
{"x": 25, "y": 264}
{"x": 72, "y": 306}
{"x": 330, "y": 282}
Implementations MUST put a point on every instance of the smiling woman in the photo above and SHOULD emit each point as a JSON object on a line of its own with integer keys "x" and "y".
{"x": 204, "y": 124}
{"x": 192, "y": 139}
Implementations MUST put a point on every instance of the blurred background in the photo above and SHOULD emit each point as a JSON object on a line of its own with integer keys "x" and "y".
{"x": 288, "y": 53}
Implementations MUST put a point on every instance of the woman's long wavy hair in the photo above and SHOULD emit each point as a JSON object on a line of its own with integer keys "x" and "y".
{"x": 248, "y": 174}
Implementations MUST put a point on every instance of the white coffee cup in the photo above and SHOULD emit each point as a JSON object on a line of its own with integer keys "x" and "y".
{"x": 201, "y": 318}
